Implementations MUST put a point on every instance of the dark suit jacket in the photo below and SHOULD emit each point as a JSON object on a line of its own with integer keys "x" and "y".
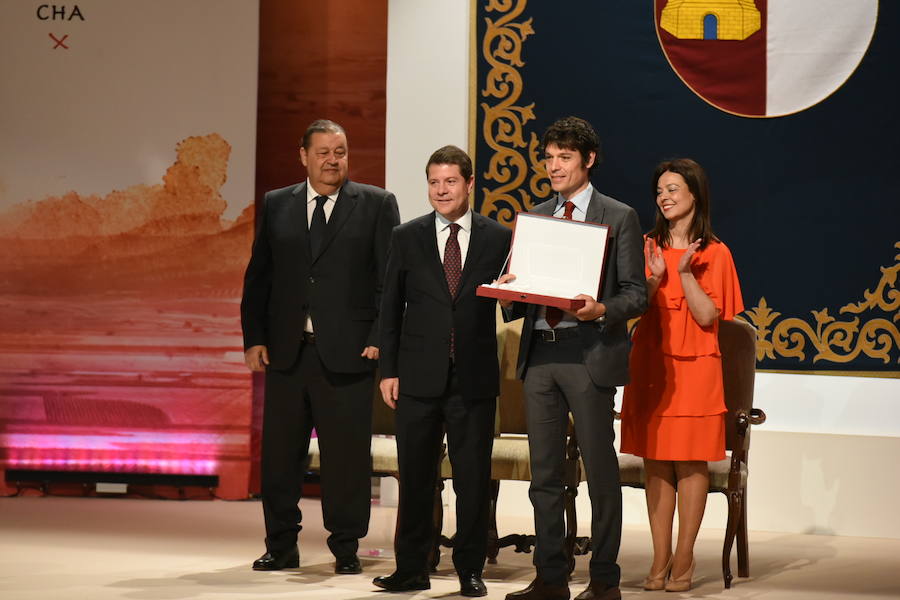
{"x": 340, "y": 288}
{"x": 417, "y": 311}
{"x": 624, "y": 292}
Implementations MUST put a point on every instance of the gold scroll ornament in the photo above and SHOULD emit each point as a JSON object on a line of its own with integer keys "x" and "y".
{"x": 513, "y": 157}
{"x": 833, "y": 340}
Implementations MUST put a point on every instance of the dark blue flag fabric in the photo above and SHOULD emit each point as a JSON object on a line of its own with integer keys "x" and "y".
{"x": 792, "y": 108}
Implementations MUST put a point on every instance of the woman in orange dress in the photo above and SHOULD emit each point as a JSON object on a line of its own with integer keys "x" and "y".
{"x": 673, "y": 411}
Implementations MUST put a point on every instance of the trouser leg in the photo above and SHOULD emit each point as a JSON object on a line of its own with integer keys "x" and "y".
{"x": 285, "y": 445}
{"x": 592, "y": 410}
{"x": 342, "y": 413}
{"x": 419, "y": 434}
{"x": 547, "y": 420}
{"x": 470, "y": 438}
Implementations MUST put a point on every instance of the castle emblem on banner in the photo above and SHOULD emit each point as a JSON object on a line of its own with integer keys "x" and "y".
{"x": 765, "y": 58}
{"x": 711, "y": 19}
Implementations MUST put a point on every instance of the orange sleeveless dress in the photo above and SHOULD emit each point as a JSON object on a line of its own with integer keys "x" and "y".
{"x": 674, "y": 407}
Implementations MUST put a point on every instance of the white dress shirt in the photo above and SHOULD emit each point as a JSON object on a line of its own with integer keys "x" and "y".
{"x": 442, "y": 227}
{"x": 311, "y": 196}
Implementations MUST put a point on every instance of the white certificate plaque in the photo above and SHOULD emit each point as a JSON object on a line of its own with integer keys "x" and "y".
{"x": 553, "y": 260}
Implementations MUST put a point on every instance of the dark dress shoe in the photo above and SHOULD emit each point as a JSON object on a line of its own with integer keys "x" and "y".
{"x": 471, "y": 584}
{"x": 403, "y": 582}
{"x": 597, "y": 590}
{"x": 347, "y": 565}
{"x": 275, "y": 561}
{"x": 538, "y": 590}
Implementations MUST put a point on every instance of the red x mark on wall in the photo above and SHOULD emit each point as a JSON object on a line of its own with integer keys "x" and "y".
{"x": 59, "y": 42}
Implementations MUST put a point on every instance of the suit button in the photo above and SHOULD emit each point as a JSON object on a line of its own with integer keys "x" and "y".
{"x": 312, "y": 279}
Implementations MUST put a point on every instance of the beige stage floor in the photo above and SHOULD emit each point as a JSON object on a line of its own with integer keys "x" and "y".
{"x": 98, "y": 548}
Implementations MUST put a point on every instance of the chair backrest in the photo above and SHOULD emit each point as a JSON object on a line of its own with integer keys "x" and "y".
{"x": 737, "y": 343}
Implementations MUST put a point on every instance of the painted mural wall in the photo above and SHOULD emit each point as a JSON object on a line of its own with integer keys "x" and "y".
{"x": 126, "y": 195}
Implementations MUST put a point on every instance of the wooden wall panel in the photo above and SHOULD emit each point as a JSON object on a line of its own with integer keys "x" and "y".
{"x": 318, "y": 60}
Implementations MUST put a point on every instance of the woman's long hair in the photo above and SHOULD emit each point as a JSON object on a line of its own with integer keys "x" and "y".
{"x": 698, "y": 185}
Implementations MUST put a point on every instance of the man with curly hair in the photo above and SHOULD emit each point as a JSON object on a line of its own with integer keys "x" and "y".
{"x": 571, "y": 362}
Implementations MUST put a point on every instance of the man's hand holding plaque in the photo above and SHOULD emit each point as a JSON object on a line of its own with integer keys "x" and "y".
{"x": 505, "y": 279}
{"x": 591, "y": 311}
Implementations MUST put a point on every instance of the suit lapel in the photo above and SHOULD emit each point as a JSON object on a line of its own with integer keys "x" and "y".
{"x": 428, "y": 239}
{"x": 546, "y": 207}
{"x": 476, "y": 247}
{"x": 596, "y": 211}
{"x": 343, "y": 207}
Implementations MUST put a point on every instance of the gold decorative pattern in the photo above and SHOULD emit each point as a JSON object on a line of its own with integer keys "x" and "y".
{"x": 833, "y": 340}
{"x": 503, "y": 128}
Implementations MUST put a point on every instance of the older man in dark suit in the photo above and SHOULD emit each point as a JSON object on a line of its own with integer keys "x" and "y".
{"x": 309, "y": 317}
{"x": 439, "y": 369}
{"x": 571, "y": 362}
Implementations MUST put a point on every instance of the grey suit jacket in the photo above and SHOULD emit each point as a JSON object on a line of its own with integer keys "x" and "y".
{"x": 624, "y": 292}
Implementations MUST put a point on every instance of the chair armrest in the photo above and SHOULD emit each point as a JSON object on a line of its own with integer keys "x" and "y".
{"x": 757, "y": 416}
{"x": 744, "y": 419}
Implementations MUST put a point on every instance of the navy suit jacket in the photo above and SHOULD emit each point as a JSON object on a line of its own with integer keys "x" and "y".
{"x": 417, "y": 311}
{"x": 340, "y": 287}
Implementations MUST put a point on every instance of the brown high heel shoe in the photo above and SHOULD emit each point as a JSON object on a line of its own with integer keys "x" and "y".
{"x": 683, "y": 582}
{"x": 658, "y": 581}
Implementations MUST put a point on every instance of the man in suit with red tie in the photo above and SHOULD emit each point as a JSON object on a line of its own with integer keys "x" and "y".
{"x": 309, "y": 317}
{"x": 439, "y": 369}
{"x": 571, "y": 362}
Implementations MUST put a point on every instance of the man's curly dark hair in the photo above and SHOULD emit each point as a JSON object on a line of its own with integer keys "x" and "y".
{"x": 573, "y": 133}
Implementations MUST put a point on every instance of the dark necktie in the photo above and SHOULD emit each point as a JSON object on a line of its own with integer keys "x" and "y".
{"x": 452, "y": 270}
{"x": 555, "y": 315}
{"x": 317, "y": 226}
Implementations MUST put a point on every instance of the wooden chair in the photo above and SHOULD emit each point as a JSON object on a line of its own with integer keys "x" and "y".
{"x": 510, "y": 457}
{"x": 737, "y": 343}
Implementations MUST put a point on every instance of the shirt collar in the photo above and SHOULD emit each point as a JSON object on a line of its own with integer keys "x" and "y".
{"x": 311, "y": 194}
{"x": 465, "y": 221}
{"x": 581, "y": 200}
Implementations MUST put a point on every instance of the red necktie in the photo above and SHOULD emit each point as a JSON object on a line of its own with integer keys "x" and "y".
{"x": 452, "y": 270}
{"x": 555, "y": 315}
